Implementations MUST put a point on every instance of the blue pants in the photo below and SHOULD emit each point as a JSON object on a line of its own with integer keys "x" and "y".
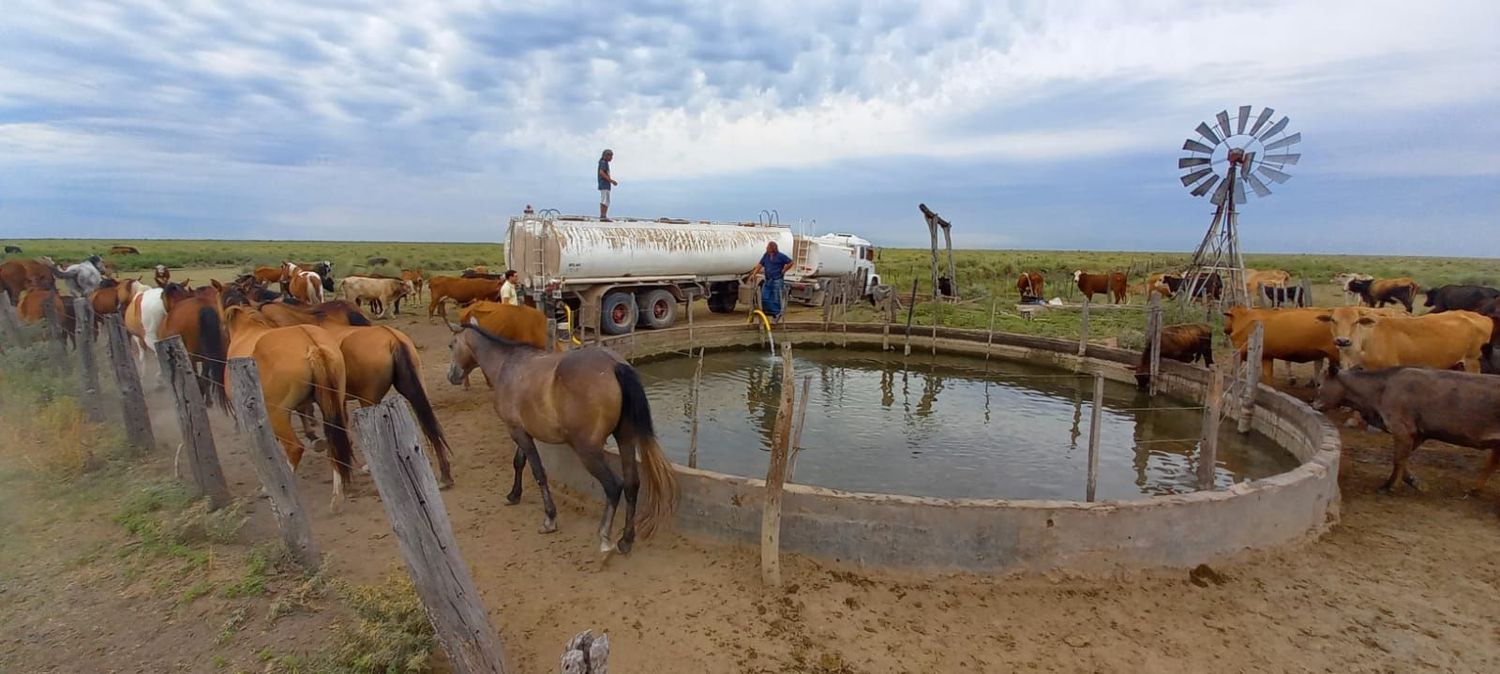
{"x": 770, "y": 297}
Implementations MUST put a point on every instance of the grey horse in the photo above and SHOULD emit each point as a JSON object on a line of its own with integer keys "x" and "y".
{"x": 83, "y": 278}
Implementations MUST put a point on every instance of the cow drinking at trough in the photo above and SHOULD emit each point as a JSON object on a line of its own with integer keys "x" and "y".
{"x": 385, "y": 291}
{"x": 1111, "y": 284}
{"x": 1455, "y": 297}
{"x": 1439, "y": 341}
{"x": 1380, "y": 292}
{"x": 1415, "y": 405}
{"x": 1292, "y": 335}
{"x": 1186, "y": 343}
{"x": 460, "y": 290}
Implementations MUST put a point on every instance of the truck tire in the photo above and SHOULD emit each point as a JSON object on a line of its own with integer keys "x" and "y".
{"x": 658, "y": 309}
{"x": 617, "y": 313}
{"x": 721, "y": 300}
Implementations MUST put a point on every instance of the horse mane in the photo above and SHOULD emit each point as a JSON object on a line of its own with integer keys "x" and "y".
{"x": 497, "y": 339}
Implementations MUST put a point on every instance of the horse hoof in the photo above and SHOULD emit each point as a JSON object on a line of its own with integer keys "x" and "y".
{"x": 512, "y": 500}
{"x": 1385, "y": 490}
{"x": 605, "y": 547}
{"x": 548, "y": 527}
{"x": 623, "y": 546}
{"x": 443, "y": 485}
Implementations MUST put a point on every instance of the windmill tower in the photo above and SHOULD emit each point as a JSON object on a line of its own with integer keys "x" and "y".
{"x": 1221, "y": 161}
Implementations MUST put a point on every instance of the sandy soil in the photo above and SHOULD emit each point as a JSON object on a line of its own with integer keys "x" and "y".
{"x": 1403, "y": 583}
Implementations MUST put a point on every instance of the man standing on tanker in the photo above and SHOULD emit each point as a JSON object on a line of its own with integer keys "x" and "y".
{"x": 605, "y": 181}
{"x": 774, "y": 263}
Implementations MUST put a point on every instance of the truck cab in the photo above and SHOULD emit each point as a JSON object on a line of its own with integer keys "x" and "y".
{"x": 864, "y": 255}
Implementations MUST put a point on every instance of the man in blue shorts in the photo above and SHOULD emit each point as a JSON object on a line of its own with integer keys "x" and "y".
{"x": 605, "y": 181}
{"x": 774, "y": 263}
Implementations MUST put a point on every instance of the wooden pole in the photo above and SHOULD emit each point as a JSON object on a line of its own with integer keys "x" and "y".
{"x": 797, "y": 430}
{"x": 586, "y": 654}
{"x": 1094, "y": 414}
{"x": 192, "y": 418}
{"x": 952, "y": 270}
{"x": 1208, "y": 444}
{"x": 409, "y": 492}
{"x": 989, "y": 340}
{"x": 885, "y": 326}
{"x": 270, "y": 462}
{"x": 770, "y": 522}
{"x": 910, "y": 310}
{"x": 1306, "y": 299}
{"x": 845, "y": 288}
{"x": 88, "y": 364}
{"x": 551, "y": 335}
{"x": 1083, "y": 330}
{"x": 693, "y": 438}
{"x": 691, "y": 337}
{"x": 1251, "y": 380}
{"x": 55, "y": 333}
{"x": 1155, "y": 323}
{"x": 133, "y": 408}
{"x": 10, "y": 323}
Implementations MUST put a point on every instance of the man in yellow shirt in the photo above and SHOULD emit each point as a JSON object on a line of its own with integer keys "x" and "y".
{"x": 508, "y": 293}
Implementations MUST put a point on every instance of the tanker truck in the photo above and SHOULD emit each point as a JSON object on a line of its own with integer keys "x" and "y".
{"x": 627, "y": 273}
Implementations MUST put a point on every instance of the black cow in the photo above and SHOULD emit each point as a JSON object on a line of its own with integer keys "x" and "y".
{"x": 1454, "y": 297}
{"x": 1213, "y": 286}
{"x": 12, "y": 249}
{"x": 1279, "y": 296}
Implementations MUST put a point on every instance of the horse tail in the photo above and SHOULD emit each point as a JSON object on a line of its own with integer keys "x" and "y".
{"x": 214, "y": 355}
{"x": 635, "y": 421}
{"x": 327, "y": 366}
{"x": 407, "y": 379}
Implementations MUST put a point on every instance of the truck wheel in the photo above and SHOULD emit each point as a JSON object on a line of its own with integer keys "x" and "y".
{"x": 658, "y": 309}
{"x": 722, "y": 302}
{"x": 618, "y": 313}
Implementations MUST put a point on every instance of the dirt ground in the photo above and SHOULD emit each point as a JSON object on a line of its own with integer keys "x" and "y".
{"x": 1403, "y": 583}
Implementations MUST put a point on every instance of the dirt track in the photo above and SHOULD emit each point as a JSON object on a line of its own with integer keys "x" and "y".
{"x": 1403, "y": 583}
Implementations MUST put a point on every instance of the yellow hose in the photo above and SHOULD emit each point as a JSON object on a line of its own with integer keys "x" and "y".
{"x": 765, "y": 321}
{"x": 571, "y": 337}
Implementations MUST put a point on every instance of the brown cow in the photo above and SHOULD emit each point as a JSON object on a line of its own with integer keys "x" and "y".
{"x": 267, "y": 275}
{"x": 415, "y": 276}
{"x": 1415, "y": 405}
{"x": 1029, "y": 284}
{"x": 1292, "y": 335}
{"x": 1435, "y": 340}
{"x": 1157, "y": 284}
{"x": 1380, "y": 292}
{"x": 460, "y": 290}
{"x": 124, "y": 250}
{"x": 1186, "y": 343}
{"x": 516, "y": 323}
{"x": 20, "y": 275}
{"x": 1113, "y": 284}
{"x": 377, "y": 291}
{"x": 1257, "y": 279}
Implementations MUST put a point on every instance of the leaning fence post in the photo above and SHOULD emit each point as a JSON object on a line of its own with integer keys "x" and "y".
{"x": 409, "y": 492}
{"x": 796, "y": 447}
{"x": 910, "y": 310}
{"x": 1252, "y": 377}
{"x": 1155, "y": 327}
{"x": 10, "y": 323}
{"x": 1208, "y": 444}
{"x": 192, "y": 418}
{"x": 693, "y": 437}
{"x": 55, "y": 333}
{"x": 1094, "y": 414}
{"x": 88, "y": 364}
{"x": 1083, "y": 330}
{"x": 1305, "y": 298}
{"x": 133, "y": 409}
{"x": 270, "y": 463}
{"x": 770, "y": 521}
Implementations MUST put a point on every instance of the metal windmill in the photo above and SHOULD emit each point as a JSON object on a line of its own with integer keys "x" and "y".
{"x": 1226, "y": 156}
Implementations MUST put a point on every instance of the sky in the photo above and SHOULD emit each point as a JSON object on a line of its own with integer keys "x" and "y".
{"x": 1049, "y": 125}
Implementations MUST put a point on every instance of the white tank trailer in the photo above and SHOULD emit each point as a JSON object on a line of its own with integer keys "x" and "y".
{"x": 633, "y": 273}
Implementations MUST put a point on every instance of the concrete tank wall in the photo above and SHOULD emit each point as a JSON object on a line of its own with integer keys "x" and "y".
{"x": 997, "y": 535}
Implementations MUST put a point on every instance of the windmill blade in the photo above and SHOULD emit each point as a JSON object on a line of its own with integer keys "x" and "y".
{"x": 1219, "y": 193}
{"x": 1285, "y": 142}
{"x": 1276, "y": 128}
{"x": 1208, "y": 133}
{"x": 1249, "y": 164}
{"x": 1195, "y": 176}
{"x": 1261, "y": 120}
{"x": 1195, "y": 146}
{"x": 1205, "y": 187}
{"x": 1239, "y": 192}
{"x": 1281, "y": 158}
{"x": 1276, "y": 176}
{"x": 1244, "y": 117}
{"x": 1188, "y": 162}
{"x": 1256, "y": 184}
{"x": 1223, "y": 118}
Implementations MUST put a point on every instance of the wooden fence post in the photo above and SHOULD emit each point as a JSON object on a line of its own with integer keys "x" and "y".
{"x": 586, "y": 654}
{"x": 1094, "y": 415}
{"x": 1083, "y": 330}
{"x": 910, "y": 310}
{"x": 693, "y": 437}
{"x": 1252, "y": 377}
{"x": 56, "y": 336}
{"x": 1306, "y": 287}
{"x": 133, "y": 410}
{"x": 271, "y": 464}
{"x": 989, "y": 340}
{"x": 770, "y": 521}
{"x": 192, "y": 418}
{"x": 1154, "y": 326}
{"x": 1208, "y": 444}
{"x": 88, "y": 363}
{"x": 796, "y": 447}
{"x": 409, "y": 492}
{"x": 551, "y": 335}
{"x": 10, "y": 323}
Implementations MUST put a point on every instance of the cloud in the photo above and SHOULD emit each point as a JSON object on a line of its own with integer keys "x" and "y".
{"x": 291, "y": 110}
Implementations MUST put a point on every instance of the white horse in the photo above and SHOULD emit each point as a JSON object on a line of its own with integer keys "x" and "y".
{"x": 83, "y": 277}
{"x": 143, "y": 319}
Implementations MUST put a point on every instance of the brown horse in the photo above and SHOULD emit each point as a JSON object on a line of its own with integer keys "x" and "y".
{"x": 32, "y": 310}
{"x": 305, "y": 286}
{"x": 376, "y": 359}
{"x": 195, "y": 316}
{"x": 19, "y": 275}
{"x": 576, "y": 397}
{"x": 297, "y": 364}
